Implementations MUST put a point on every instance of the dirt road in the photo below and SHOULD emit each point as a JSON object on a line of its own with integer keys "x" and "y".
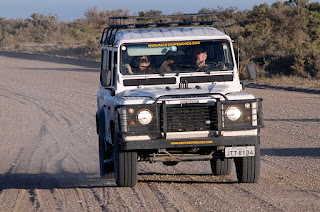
{"x": 49, "y": 151}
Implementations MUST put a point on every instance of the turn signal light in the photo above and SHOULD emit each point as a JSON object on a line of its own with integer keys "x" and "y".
{"x": 247, "y": 118}
{"x": 131, "y": 123}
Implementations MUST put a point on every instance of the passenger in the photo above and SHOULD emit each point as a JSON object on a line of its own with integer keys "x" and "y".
{"x": 142, "y": 66}
{"x": 165, "y": 66}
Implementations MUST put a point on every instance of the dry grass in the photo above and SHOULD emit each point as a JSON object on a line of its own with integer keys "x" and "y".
{"x": 290, "y": 81}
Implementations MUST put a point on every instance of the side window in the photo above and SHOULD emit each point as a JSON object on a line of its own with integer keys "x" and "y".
{"x": 110, "y": 61}
{"x": 105, "y": 74}
{"x": 115, "y": 65}
{"x": 104, "y": 55}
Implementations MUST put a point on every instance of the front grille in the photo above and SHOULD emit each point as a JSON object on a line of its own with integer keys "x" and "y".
{"x": 185, "y": 117}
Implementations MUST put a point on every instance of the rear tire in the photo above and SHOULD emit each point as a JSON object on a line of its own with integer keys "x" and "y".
{"x": 248, "y": 168}
{"x": 221, "y": 166}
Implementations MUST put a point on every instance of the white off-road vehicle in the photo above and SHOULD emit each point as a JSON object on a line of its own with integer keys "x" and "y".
{"x": 170, "y": 92}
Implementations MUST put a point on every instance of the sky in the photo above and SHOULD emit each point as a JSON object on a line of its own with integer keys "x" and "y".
{"x": 68, "y": 10}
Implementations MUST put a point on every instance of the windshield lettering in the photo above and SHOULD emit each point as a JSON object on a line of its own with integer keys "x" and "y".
{"x": 188, "y": 43}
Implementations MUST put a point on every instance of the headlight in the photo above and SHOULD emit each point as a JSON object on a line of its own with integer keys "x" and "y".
{"x": 233, "y": 113}
{"x": 144, "y": 117}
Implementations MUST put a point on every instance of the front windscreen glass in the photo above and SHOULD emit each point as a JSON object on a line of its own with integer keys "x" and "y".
{"x": 176, "y": 57}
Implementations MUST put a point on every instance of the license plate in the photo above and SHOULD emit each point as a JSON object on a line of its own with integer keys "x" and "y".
{"x": 241, "y": 151}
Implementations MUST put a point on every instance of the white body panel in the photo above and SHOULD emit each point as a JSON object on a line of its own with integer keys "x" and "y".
{"x": 148, "y": 94}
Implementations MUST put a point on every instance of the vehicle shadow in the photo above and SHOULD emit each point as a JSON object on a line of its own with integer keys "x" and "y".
{"x": 292, "y": 152}
{"x": 154, "y": 177}
{"x": 293, "y": 120}
{"x": 283, "y": 88}
{"x": 67, "y": 180}
{"x": 49, "y": 181}
{"x": 52, "y": 58}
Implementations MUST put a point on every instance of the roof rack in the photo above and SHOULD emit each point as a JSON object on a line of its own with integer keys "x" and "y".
{"x": 131, "y": 22}
{"x": 163, "y": 21}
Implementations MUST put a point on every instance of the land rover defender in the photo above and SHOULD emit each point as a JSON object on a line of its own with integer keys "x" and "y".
{"x": 170, "y": 92}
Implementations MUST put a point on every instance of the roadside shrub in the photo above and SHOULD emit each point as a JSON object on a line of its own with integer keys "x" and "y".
{"x": 91, "y": 46}
{"x": 43, "y": 28}
{"x": 8, "y": 40}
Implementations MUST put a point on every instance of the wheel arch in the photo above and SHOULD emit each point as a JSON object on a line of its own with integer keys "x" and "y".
{"x": 100, "y": 121}
{"x": 112, "y": 130}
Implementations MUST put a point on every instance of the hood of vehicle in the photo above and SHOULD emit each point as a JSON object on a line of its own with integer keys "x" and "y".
{"x": 155, "y": 92}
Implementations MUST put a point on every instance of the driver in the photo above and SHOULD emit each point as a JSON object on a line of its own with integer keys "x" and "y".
{"x": 199, "y": 58}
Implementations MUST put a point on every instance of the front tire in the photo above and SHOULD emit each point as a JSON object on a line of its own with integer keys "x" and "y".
{"x": 248, "y": 168}
{"x": 125, "y": 167}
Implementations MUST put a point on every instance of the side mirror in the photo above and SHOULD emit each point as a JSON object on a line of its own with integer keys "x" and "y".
{"x": 251, "y": 71}
{"x": 105, "y": 77}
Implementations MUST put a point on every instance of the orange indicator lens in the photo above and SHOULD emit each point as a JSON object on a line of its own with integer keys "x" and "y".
{"x": 247, "y": 118}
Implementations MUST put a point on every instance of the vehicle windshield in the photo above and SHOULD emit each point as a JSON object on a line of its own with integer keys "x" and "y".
{"x": 176, "y": 57}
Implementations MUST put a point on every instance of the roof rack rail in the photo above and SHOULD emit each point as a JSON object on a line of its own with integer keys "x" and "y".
{"x": 130, "y": 22}
{"x": 163, "y": 21}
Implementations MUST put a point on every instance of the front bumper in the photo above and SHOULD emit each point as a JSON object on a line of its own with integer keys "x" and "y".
{"x": 190, "y": 143}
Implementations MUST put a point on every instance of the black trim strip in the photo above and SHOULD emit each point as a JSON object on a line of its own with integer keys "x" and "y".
{"x": 149, "y": 81}
{"x": 212, "y": 78}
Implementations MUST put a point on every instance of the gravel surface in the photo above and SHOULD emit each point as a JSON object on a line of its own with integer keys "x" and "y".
{"x": 49, "y": 151}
